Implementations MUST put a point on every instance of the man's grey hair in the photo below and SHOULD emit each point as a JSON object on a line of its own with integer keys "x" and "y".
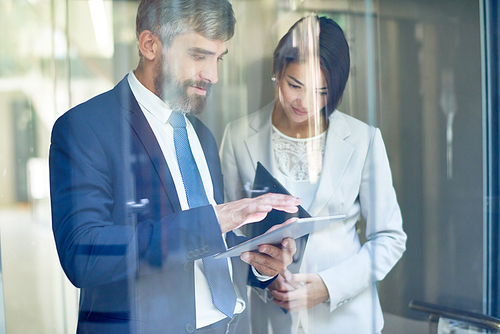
{"x": 167, "y": 19}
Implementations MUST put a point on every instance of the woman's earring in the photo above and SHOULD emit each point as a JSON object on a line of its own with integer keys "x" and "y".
{"x": 273, "y": 78}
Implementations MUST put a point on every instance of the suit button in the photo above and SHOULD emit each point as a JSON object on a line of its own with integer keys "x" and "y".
{"x": 187, "y": 267}
{"x": 189, "y": 328}
{"x": 342, "y": 302}
{"x": 190, "y": 255}
{"x": 196, "y": 252}
{"x": 206, "y": 249}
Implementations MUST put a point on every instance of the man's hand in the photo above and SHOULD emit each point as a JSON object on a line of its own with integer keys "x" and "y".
{"x": 235, "y": 214}
{"x": 271, "y": 260}
{"x": 299, "y": 292}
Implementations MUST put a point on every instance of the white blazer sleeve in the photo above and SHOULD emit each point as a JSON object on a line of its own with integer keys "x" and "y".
{"x": 233, "y": 187}
{"x": 384, "y": 231}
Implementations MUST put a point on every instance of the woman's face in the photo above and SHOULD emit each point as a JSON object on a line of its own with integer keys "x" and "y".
{"x": 302, "y": 92}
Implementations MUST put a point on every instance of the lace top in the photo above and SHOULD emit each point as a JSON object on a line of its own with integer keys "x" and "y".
{"x": 299, "y": 159}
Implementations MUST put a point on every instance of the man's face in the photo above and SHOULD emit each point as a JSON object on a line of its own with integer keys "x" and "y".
{"x": 186, "y": 71}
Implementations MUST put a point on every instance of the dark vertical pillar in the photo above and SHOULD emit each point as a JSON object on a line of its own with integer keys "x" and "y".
{"x": 492, "y": 141}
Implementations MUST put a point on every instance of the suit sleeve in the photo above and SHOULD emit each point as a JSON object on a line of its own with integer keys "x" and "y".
{"x": 384, "y": 232}
{"x": 98, "y": 241}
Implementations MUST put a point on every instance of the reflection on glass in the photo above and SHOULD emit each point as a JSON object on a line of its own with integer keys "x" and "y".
{"x": 336, "y": 165}
{"x": 49, "y": 60}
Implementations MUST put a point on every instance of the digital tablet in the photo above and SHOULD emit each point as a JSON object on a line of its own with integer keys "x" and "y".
{"x": 298, "y": 228}
{"x": 263, "y": 183}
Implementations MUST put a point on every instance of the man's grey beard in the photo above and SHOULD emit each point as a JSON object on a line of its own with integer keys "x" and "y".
{"x": 175, "y": 93}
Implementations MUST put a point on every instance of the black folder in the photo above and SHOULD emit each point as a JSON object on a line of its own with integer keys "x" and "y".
{"x": 264, "y": 183}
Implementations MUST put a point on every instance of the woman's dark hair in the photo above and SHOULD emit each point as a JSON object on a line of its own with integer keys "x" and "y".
{"x": 333, "y": 51}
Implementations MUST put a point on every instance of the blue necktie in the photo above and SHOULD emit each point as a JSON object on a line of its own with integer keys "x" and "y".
{"x": 216, "y": 271}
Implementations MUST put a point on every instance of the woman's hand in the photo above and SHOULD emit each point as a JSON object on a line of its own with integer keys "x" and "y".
{"x": 283, "y": 283}
{"x": 299, "y": 292}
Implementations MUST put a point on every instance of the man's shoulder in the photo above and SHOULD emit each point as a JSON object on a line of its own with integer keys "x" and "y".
{"x": 96, "y": 103}
{"x": 100, "y": 108}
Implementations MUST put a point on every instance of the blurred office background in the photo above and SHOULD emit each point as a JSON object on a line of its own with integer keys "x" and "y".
{"x": 420, "y": 72}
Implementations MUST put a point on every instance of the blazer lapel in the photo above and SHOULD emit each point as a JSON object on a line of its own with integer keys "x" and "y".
{"x": 259, "y": 144}
{"x": 145, "y": 134}
{"x": 336, "y": 158}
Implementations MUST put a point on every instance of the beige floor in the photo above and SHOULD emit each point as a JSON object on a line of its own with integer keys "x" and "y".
{"x": 38, "y": 297}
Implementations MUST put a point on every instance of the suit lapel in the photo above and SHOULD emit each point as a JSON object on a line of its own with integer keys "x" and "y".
{"x": 209, "y": 147}
{"x": 141, "y": 127}
{"x": 336, "y": 159}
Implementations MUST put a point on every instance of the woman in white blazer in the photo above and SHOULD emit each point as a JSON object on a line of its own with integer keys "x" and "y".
{"x": 336, "y": 165}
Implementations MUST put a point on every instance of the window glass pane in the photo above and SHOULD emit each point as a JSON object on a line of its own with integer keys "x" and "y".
{"x": 414, "y": 74}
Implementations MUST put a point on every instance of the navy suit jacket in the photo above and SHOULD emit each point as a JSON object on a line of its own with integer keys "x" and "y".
{"x": 120, "y": 232}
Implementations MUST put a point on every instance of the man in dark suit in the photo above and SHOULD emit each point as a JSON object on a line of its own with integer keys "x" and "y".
{"x": 127, "y": 229}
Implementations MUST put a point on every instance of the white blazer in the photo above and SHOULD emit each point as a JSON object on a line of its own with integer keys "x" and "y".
{"x": 355, "y": 180}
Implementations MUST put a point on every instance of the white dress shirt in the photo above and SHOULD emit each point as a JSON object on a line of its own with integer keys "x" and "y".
{"x": 157, "y": 113}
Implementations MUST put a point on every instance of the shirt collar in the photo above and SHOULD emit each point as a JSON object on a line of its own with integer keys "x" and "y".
{"x": 148, "y": 101}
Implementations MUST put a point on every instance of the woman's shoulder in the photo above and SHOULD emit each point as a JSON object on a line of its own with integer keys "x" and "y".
{"x": 340, "y": 119}
{"x": 254, "y": 120}
{"x": 350, "y": 127}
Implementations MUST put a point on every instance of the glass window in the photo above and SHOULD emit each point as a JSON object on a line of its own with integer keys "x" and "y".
{"x": 416, "y": 74}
